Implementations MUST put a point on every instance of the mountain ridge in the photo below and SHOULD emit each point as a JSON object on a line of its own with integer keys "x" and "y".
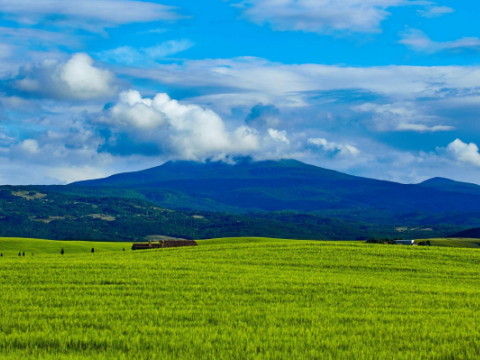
{"x": 286, "y": 184}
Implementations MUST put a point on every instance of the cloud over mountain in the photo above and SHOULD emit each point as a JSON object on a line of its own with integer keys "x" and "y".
{"x": 184, "y": 131}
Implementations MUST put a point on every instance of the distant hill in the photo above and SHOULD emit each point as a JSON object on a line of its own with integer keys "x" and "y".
{"x": 288, "y": 185}
{"x": 444, "y": 184}
{"x": 473, "y": 233}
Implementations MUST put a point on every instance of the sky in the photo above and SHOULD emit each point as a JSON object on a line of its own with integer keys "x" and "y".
{"x": 387, "y": 89}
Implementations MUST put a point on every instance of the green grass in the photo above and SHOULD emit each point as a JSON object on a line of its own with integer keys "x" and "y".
{"x": 12, "y": 246}
{"x": 245, "y": 298}
{"x": 455, "y": 242}
{"x": 244, "y": 240}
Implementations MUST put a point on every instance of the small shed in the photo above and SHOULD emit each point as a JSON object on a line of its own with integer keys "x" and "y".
{"x": 404, "y": 242}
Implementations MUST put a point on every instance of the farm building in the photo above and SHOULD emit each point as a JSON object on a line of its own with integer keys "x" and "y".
{"x": 404, "y": 242}
{"x": 163, "y": 244}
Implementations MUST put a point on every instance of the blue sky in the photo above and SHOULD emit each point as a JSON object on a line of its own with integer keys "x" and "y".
{"x": 388, "y": 89}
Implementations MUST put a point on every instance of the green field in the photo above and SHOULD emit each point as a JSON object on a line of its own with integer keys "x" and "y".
{"x": 455, "y": 242}
{"x": 243, "y": 299}
{"x": 32, "y": 247}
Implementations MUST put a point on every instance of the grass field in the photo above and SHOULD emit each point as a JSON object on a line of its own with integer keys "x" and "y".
{"x": 13, "y": 246}
{"x": 243, "y": 299}
{"x": 456, "y": 242}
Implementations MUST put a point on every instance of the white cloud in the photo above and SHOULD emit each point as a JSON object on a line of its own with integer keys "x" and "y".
{"x": 77, "y": 78}
{"x": 436, "y": 11}
{"x": 145, "y": 56}
{"x": 464, "y": 153}
{"x": 87, "y": 14}
{"x": 419, "y": 41}
{"x": 182, "y": 130}
{"x": 401, "y": 117}
{"x": 168, "y": 48}
{"x": 278, "y": 135}
{"x": 422, "y": 127}
{"x": 333, "y": 147}
{"x": 32, "y": 37}
{"x": 29, "y": 146}
{"x": 240, "y": 80}
{"x": 321, "y": 16}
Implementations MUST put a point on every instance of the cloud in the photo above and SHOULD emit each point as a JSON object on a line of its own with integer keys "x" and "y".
{"x": 401, "y": 117}
{"x": 183, "y": 131}
{"x": 32, "y": 37}
{"x": 75, "y": 79}
{"x": 278, "y": 135}
{"x": 291, "y": 85}
{"x": 29, "y": 146}
{"x": 144, "y": 56}
{"x": 321, "y": 16}
{"x": 422, "y": 127}
{"x": 464, "y": 153}
{"x": 335, "y": 148}
{"x": 263, "y": 116}
{"x": 419, "y": 41}
{"x": 5, "y": 50}
{"x": 436, "y": 11}
{"x": 92, "y": 15}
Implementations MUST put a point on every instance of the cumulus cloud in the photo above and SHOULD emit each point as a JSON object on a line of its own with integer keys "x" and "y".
{"x": 76, "y": 79}
{"x": 419, "y": 41}
{"x": 464, "y": 153}
{"x": 401, "y": 117}
{"x": 181, "y": 130}
{"x": 87, "y": 14}
{"x": 321, "y": 16}
{"x": 334, "y": 148}
{"x": 144, "y": 56}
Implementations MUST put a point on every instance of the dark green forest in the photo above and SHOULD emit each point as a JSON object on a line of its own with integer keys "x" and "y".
{"x": 28, "y": 211}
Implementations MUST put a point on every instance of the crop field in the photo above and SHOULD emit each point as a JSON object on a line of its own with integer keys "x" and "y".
{"x": 32, "y": 247}
{"x": 243, "y": 298}
{"x": 456, "y": 242}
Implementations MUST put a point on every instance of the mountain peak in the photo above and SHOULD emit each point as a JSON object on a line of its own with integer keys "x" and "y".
{"x": 445, "y": 184}
{"x": 437, "y": 180}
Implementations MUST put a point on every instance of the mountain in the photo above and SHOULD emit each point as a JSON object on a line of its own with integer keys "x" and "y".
{"x": 289, "y": 185}
{"x": 473, "y": 233}
{"x": 451, "y": 185}
{"x": 286, "y": 199}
